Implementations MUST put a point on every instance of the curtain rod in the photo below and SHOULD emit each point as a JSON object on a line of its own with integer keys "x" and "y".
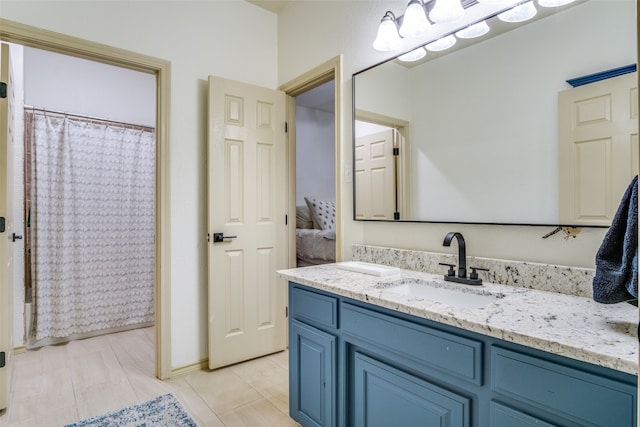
{"x": 84, "y": 116}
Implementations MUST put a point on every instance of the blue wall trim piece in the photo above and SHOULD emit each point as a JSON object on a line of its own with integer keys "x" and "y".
{"x": 603, "y": 75}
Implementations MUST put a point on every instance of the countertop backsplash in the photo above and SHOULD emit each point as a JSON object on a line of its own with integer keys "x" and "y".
{"x": 566, "y": 280}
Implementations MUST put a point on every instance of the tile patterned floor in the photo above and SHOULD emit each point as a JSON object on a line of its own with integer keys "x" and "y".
{"x": 56, "y": 385}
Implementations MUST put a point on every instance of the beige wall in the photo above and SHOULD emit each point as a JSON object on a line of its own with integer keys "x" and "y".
{"x": 311, "y": 32}
{"x": 199, "y": 38}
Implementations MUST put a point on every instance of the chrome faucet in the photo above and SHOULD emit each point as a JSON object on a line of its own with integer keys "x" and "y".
{"x": 461, "y": 277}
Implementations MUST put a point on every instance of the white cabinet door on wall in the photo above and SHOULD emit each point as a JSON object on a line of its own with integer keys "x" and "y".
{"x": 598, "y": 148}
{"x": 247, "y": 200}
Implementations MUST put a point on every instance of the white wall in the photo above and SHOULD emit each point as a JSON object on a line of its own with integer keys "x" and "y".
{"x": 474, "y": 125}
{"x": 74, "y": 85}
{"x": 366, "y": 128}
{"x": 315, "y": 158}
{"x": 385, "y": 90}
{"x": 199, "y": 38}
{"x": 304, "y": 42}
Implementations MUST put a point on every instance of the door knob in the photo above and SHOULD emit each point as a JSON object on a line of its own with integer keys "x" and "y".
{"x": 220, "y": 237}
{"x": 15, "y": 237}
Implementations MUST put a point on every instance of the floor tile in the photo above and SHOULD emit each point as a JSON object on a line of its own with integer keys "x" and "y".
{"x": 259, "y": 413}
{"x": 222, "y": 390}
{"x": 65, "y": 383}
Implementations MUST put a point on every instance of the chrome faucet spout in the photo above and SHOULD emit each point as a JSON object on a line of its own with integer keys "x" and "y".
{"x": 462, "y": 252}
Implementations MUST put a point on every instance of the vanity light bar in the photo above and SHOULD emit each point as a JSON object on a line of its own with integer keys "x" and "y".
{"x": 414, "y": 22}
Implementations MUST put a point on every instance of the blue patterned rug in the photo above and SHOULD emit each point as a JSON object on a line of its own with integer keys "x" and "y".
{"x": 164, "y": 410}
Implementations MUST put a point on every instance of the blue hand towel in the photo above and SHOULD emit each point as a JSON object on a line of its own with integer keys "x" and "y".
{"x": 616, "y": 278}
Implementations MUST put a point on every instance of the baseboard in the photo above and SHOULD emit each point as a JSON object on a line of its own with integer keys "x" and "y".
{"x": 187, "y": 369}
{"x": 19, "y": 350}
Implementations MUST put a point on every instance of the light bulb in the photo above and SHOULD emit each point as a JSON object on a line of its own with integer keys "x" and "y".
{"x": 387, "y": 37}
{"x": 554, "y": 3}
{"x": 446, "y": 11}
{"x": 519, "y": 13}
{"x": 414, "y": 55}
{"x": 414, "y": 21}
{"x": 473, "y": 31}
{"x": 441, "y": 44}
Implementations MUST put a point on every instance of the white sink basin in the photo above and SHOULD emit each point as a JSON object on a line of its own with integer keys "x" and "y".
{"x": 454, "y": 297}
{"x": 368, "y": 268}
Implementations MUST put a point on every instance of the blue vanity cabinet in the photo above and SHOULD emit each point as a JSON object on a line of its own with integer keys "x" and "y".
{"x": 385, "y": 396}
{"x": 312, "y": 358}
{"x": 354, "y": 364}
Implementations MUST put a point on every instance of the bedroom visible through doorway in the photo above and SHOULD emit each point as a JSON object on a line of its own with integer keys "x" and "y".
{"x": 315, "y": 196}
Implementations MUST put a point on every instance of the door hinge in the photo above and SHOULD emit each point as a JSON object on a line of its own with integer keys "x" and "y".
{"x": 286, "y": 127}
{"x": 2, "y": 359}
{"x": 286, "y": 220}
{"x": 3, "y": 90}
{"x": 396, "y": 151}
{"x": 396, "y": 216}
{"x": 2, "y": 226}
{"x": 208, "y": 237}
{"x": 286, "y": 312}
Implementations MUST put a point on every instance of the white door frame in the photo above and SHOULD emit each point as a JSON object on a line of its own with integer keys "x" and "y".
{"x": 323, "y": 73}
{"x": 29, "y": 36}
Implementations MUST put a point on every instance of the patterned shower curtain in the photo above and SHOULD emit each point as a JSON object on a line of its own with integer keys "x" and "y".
{"x": 92, "y": 226}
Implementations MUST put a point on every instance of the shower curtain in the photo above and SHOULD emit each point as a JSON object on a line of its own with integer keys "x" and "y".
{"x": 92, "y": 224}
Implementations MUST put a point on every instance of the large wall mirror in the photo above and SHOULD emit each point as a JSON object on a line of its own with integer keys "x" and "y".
{"x": 476, "y": 130}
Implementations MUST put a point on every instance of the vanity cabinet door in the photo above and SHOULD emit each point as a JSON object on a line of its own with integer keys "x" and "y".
{"x": 385, "y": 396}
{"x": 312, "y": 375}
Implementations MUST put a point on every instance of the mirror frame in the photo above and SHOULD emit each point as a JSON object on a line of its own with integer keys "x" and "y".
{"x": 582, "y": 79}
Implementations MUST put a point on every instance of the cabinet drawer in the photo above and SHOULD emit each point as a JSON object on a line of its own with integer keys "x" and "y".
{"x": 454, "y": 355}
{"x": 503, "y": 416}
{"x": 314, "y": 308}
{"x": 581, "y": 397}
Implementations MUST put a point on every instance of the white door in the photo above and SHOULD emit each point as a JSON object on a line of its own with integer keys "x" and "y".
{"x": 375, "y": 175}
{"x": 248, "y": 205}
{"x": 6, "y": 241}
{"x": 598, "y": 128}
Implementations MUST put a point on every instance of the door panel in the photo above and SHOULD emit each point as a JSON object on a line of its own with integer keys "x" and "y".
{"x": 598, "y": 148}
{"x": 375, "y": 176}
{"x": 6, "y": 210}
{"x": 247, "y": 202}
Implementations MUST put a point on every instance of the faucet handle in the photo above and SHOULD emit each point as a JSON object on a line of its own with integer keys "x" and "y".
{"x": 452, "y": 271}
{"x": 474, "y": 274}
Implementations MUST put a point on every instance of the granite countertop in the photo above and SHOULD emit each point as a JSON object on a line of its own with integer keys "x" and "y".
{"x": 571, "y": 326}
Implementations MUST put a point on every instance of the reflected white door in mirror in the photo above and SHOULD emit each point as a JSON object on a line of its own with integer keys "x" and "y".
{"x": 598, "y": 148}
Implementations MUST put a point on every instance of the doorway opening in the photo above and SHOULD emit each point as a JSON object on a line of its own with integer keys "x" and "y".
{"x": 315, "y": 176}
{"x": 315, "y": 91}
{"x": 46, "y": 40}
{"x": 88, "y": 205}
